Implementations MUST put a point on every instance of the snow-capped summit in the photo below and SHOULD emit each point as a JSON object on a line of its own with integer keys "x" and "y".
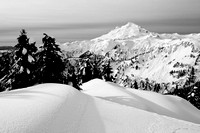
{"x": 127, "y": 31}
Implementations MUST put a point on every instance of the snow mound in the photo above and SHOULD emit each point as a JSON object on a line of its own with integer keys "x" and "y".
{"x": 55, "y": 108}
{"x": 124, "y": 32}
{"x": 167, "y": 105}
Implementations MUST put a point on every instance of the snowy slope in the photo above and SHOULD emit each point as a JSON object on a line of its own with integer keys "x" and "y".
{"x": 171, "y": 106}
{"x": 55, "y": 108}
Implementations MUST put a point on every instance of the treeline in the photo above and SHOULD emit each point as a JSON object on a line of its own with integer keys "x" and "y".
{"x": 28, "y": 65}
{"x": 145, "y": 84}
{"x": 190, "y": 93}
{"x": 189, "y": 90}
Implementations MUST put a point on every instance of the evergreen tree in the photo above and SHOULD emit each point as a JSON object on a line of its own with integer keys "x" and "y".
{"x": 107, "y": 72}
{"x": 194, "y": 96}
{"x": 50, "y": 63}
{"x": 135, "y": 84}
{"x": 157, "y": 87}
{"x": 147, "y": 84}
{"x": 97, "y": 71}
{"x": 23, "y": 68}
{"x": 142, "y": 84}
{"x": 88, "y": 69}
{"x": 6, "y": 63}
{"x": 191, "y": 77}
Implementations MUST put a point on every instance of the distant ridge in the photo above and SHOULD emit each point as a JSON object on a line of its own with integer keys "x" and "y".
{"x": 7, "y": 47}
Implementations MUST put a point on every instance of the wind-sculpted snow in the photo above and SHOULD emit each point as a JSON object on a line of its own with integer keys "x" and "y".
{"x": 171, "y": 106}
{"x": 55, "y": 108}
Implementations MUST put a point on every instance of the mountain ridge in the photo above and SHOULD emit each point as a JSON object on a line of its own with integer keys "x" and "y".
{"x": 145, "y": 54}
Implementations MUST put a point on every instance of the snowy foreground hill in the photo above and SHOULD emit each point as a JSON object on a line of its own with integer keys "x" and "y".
{"x": 102, "y": 107}
{"x": 163, "y": 58}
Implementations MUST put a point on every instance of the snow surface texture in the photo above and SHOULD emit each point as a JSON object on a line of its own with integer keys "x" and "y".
{"x": 153, "y": 55}
{"x": 55, "y": 108}
{"x": 168, "y": 105}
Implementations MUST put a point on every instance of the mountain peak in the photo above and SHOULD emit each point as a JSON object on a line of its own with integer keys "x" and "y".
{"x": 126, "y": 31}
{"x": 131, "y": 25}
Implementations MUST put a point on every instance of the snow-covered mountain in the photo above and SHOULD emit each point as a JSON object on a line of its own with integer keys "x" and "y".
{"x": 127, "y": 31}
{"x": 163, "y": 58}
{"x": 104, "y": 108}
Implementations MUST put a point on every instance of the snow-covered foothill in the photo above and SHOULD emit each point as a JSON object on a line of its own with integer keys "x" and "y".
{"x": 55, "y": 108}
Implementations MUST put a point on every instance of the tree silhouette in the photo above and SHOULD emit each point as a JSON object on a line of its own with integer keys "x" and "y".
{"x": 6, "y": 63}
{"x": 49, "y": 61}
{"x": 135, "y": 85}
{"x": 191, "y": 77}
{"x": 23, "y": 68}
{"x": 107, "y": 72}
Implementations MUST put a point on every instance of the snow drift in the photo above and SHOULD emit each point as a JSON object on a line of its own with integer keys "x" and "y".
{"x": 172, "y": 106}
{"x": 55, "y": 108}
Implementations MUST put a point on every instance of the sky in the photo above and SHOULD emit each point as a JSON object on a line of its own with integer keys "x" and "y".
{"x": 69, "y": 20}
